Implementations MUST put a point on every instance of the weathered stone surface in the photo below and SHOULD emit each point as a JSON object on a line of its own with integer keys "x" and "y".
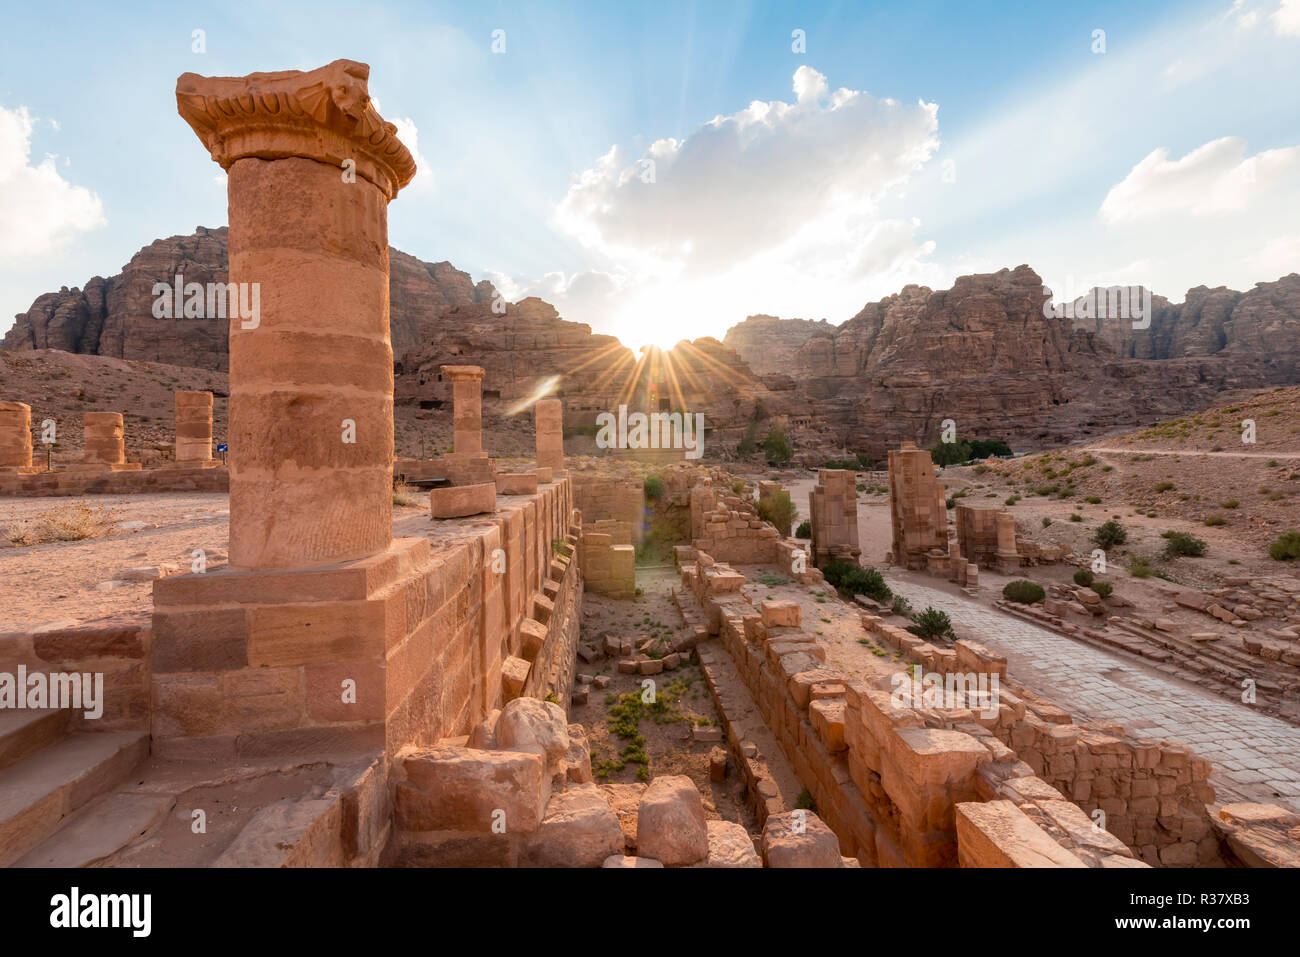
{"x": 465, "y": 788}
{"x": 538, "y": 727}
{"x": 730, "y": 846}
{"x": 580, "y": 829}
{"x": 671, "y": 826}
{"x": 799, "y": 839}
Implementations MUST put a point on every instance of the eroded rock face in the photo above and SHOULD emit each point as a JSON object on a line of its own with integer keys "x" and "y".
{"x": 114, "y": 316}
{"x": 981, "y": 353}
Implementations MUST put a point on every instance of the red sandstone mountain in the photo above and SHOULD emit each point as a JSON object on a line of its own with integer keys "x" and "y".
{"x": 981, "y": 353}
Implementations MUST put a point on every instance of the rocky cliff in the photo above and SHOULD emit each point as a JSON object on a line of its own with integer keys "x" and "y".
{"x": 114, "y": 316}
{"x": 982, "y": 353}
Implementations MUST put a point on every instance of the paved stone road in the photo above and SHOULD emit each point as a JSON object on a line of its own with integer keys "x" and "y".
{"x": 1255, "y": 757}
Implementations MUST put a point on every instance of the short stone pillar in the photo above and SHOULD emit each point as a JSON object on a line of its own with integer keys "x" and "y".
{"x": 193, "y": 428}
{"x": 1008, "y": 559}
{"x": 917, "y": 512}
{"x": 548, "y": 421}
{"x": 311, "y": 168}
{"x": 467, "y": 408}
{"x": 833, "y": 516}
{"x": 103, "y": 438}
{"x": 15, "y": 435}
{"x": 467, "y": 463}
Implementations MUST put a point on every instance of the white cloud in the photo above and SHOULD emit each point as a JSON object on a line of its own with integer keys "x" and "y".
{"x": 777, "y": 206}
{"x": 38, "y": 208}
{"x": 1212, "y": 179}
{"x": 410, "y": 137}
{"x": 1286, "y": 19}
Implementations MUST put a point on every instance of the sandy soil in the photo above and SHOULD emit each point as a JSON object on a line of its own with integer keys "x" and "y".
{"x": 56, "y": 582}
{"x": 669, "y": 746}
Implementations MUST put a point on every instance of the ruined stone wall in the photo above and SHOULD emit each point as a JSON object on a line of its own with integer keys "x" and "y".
{"x": 727, "y": 527}
{"x": 603, "y": 497}
{"x": 889, "y": 780}
{"x": 252, "y": 663}
{"x": 1153, "y": 793}
{"x": 93, "y": 482}
{"x": 609, "y": 558}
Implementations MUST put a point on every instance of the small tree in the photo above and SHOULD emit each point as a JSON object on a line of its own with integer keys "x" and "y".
{"x": 1109, "y": 534}
{"x": 804, "y": 530}
{"x": 779, "y": 510}
{"x": 776, "y": 447}
{"x": 654, "y": 487}
{"x": 950, "y": 453}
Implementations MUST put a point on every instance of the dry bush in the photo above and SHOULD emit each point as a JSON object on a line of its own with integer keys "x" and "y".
{"x": 65, "y": 522}
{"x": 406, "y": 495}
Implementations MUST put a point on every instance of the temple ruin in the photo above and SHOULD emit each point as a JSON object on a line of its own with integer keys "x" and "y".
{"x": 410, "y": 679}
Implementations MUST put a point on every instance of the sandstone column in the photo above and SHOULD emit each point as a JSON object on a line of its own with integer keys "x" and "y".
{"x": 311, "y": 169}
{"x": 193, "y": 427}
{"x": 15, "y": 435}
{"x": 467, "y": 408}
{"x": 549, "y": 425}
{"x": 102, "y": 442}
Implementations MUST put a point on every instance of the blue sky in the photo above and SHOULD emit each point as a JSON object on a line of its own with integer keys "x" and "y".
{"x": 908, "y": 142}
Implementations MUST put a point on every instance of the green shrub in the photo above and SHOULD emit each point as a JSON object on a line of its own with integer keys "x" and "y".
{"x": 776, "y": 448}
{"x": 1109, "y": 534}
{"x": 1215, "y": 520}
{"x": 1083, "y": 577}
{"x": 1140, "y": 568}
{"x": 778, "y": 509}
{"x": 1093, "y": 500}
{"x": 932, "y": 623}
{"x": 901, "y": 606}
{"x": 1181, "y": 543}
{"x": 804, "y": 530}
{"x": 850, "y": 578}
{"x": 654, "y": 488}
{"x": 1163, "y": 486}
{"x": 848, "y": 465}
{"x": 1230, "y": 503}
{"x": 738, "y": 486}
{"x": 1023, "y": 591}
{"x": 950, "y": 453}
{"x": 983, "y": 448}
{"x": 1286, "y": 548}
{"x": 1102, "y": 588}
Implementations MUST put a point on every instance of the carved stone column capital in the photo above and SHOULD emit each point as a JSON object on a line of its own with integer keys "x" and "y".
{"x": 324, "y": 114}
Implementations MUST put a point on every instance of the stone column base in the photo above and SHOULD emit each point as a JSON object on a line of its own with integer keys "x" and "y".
{"x": 288, "y": 662}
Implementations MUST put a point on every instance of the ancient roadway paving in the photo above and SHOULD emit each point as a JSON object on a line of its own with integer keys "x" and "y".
{"x": 1255, "y": 757}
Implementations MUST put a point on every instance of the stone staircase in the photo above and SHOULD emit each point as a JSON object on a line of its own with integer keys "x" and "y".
{"x": 50, "y": 778}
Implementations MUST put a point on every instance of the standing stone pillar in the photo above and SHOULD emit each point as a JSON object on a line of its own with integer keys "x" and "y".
{"x": 548, "y": 423}
{"x": 193, "y": 428}
{"x": 467, "y": 408}
{"x": 1008, "y": 554}
{"x": 15, "y": 435}
{"x": 103, "y": 438}
{"x": 311, "y": 168}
